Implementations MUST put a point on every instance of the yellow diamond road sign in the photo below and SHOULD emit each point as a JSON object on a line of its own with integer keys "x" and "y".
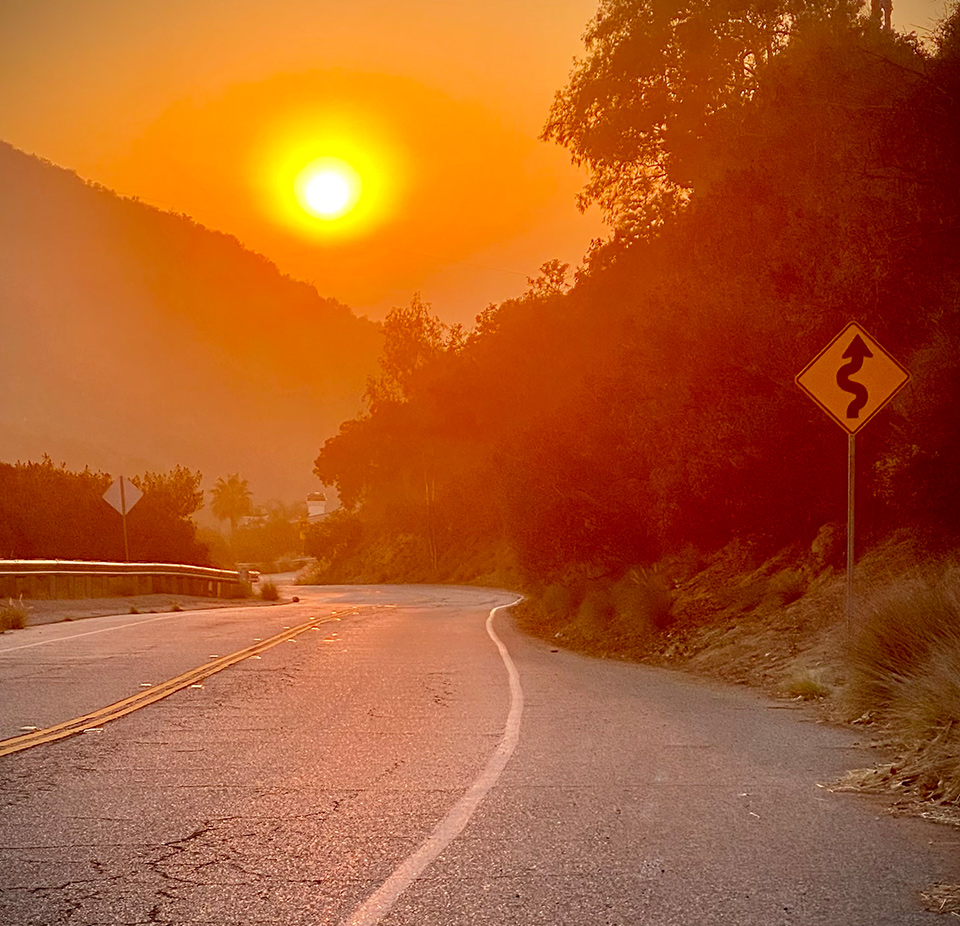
{"x": 852, "y": 378}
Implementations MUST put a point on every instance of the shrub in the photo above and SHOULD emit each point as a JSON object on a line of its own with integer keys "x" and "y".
{"x": 905, "y": 669}
{"x": 898, "y": 632}
{"x": 808, "y": 685}
{"x": 643, "y": 600}
{"x": 558, "y": 600}
{"x": 596, "y": 612}
{"x": 13, "y": 615}
{"x": 787, "y": 586}
{"x": 269, "y": 590}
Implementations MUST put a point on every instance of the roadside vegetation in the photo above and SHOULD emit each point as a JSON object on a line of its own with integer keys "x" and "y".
{"x": 269, "y": 590}
{"x": 51, "y": 512}
{"x": 13, "y": 615}
{"x": 904, "y": 663}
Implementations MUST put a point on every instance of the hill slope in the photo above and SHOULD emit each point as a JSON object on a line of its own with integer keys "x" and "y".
{"x": 134, "y": 338}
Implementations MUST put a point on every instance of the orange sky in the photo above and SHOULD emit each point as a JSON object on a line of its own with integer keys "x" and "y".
{"x": 193, "y": 105}
{"x": 205, "y": 106}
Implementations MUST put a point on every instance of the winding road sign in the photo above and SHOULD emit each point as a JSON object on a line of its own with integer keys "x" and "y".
{"x": 852, "y": 378}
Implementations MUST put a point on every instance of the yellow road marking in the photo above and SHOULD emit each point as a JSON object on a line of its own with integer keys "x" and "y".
{"x": 157, "y": 692}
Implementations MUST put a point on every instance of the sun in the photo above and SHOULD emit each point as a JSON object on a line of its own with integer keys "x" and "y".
{"x": 328, "y": 188}
{"x": 328, "y": 180}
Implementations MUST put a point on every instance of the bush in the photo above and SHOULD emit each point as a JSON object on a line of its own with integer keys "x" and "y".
{"x": 596, "y": 612}
{"x": 898, "y": 632}
{"x": 558, "y": 601}
{"x": 808, "y": 685}
{"x": 334, "y": 536}
{"x": 787, "y": 586}
{"x": 269, "y": 590}
{"x": 643, "y": 600}
{"x": 13, "y": 615}
{"x": 905, "y": 671}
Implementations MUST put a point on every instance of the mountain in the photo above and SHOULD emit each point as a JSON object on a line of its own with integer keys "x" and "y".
{"x": 132, "y": 339}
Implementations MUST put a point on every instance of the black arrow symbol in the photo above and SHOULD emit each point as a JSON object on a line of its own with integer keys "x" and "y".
{"x": 856, "y": 352}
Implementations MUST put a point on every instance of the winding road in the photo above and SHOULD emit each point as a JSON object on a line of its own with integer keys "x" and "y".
{"x": 403, "y": 755}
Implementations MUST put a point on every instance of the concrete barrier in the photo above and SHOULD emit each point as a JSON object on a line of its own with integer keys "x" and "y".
{"x": 46, "y": 579}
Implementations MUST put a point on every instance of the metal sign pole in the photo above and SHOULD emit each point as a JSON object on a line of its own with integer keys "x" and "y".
{"x": 851, "y": 461}
{"x": 827, "y": 379}
{"x": 123, "y": 516}
{"x": 122, "y": 495}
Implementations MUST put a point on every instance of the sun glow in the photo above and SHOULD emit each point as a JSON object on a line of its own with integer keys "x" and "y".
{"x": 328, "y": 188}
{"x": 325, "y": 177}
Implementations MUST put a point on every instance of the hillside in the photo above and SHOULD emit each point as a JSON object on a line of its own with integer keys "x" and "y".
{"x": 136, "y": 339}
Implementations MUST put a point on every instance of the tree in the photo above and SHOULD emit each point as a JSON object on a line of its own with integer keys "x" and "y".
{"x": 550, "y": 281}
{"x": 47, "y": 511}
{"x": 413, "y": 337}
{"x": 177, "y": 491}
{"x": 231, "y": 499}
{"x": 160, "y": 526}
{"x": 640, "y": 107}
{"x": 273, "y": 536}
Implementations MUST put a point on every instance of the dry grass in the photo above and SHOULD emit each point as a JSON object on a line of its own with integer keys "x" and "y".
{"x": 643, "y": 599}
{"x": 13, "y": 615}
{"x": 942, "y": 898}
{"x": 599, "y": 616}
{"x": 269, "y": 590}
{"x": 808, "y": 685}
{"x": 787, "y": 586}
{"x": 904, "y": 663}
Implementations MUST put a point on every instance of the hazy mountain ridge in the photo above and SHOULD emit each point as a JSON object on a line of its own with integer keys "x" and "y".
{"x": 136, "y": 338}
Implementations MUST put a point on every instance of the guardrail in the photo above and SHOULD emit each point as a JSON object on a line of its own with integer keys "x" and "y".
{"x": 38, "y": 578}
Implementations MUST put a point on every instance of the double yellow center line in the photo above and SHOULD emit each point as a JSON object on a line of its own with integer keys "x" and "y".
{"x": 97, "y": 718}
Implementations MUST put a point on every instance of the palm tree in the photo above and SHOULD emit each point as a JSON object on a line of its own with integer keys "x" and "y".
{"x": 231, "y": 499}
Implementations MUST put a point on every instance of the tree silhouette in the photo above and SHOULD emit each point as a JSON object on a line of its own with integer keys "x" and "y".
{"x": 641, "y": 107}
{"x": 231, "y": 499}
{"x": 413, "y": 337}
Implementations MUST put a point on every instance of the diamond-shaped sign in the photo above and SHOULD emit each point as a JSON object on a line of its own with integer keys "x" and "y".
{"x": 123, "y": 495}
{"x": 852, "y": 378}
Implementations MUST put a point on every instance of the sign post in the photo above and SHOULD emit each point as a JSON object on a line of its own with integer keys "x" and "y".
{"x": 827, "y": 379}
{"x": 123, "y": 495}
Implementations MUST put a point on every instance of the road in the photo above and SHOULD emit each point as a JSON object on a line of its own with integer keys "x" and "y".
{"x": 383, "y": 769}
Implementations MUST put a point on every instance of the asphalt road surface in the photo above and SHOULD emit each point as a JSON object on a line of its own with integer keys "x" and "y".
{"x": 416, "y": 760}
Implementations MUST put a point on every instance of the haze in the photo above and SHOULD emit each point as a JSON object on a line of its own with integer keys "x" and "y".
{"x": 208, "y": 109}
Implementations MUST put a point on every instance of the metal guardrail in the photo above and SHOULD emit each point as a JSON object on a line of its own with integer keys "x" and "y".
{"x": 38, "y": 578}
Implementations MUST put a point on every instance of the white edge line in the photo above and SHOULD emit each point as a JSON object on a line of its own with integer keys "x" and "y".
{"x": 147, "y": 620}
{"x": 375, "y": 907}
{"x": 90, "y": 633}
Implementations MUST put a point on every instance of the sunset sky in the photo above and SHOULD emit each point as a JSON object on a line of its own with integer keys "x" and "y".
{"x": 214, "y": 107}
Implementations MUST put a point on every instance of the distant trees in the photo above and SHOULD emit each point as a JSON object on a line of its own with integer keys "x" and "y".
{"x": 272, "y": 535}
{"x": 331, "y": 539}
{"x": 231, "y": 499}
{"x": 387, "y": 459}
{"x": 413, "y": 338}
{"x": 50, "y": 512}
